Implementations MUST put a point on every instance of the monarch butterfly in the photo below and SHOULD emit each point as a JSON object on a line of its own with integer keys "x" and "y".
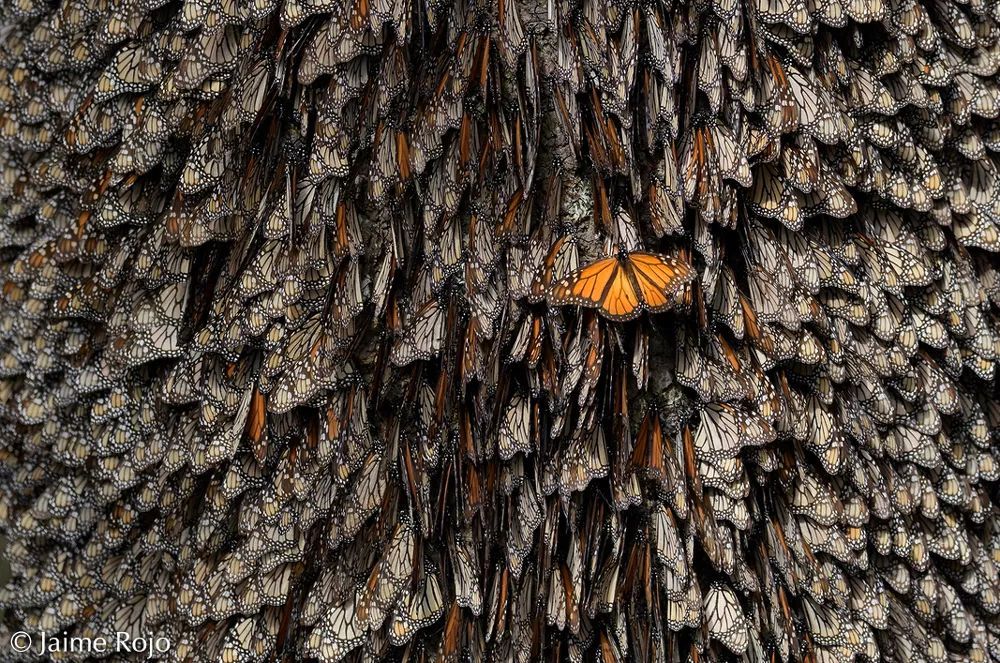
{"x": 622, "y": 287}
{"x": 724, "y": 430}
{"x": 584, "y": 459}
{"x": 467, "y": 593}
{"x": 423, "y": 607}
{"x": 341, "y": 631}
{"x": 424, "y": 337}
{"x": 532, "y": 275}
{"x": 515, "y": 429}
{"x": 385, "y": 582}
{"x": 652, "y": 453}
{"x": 363, "y": 498}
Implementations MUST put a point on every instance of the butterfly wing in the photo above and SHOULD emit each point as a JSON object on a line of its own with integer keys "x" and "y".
{"x": 724, "y": 617}
{"x": 424, "y": 336}
{"x": 658, "y": 278}
{"x": 585, "y": 287}
{"x": 621, "y": 301}
{"x": 560, "y": 261}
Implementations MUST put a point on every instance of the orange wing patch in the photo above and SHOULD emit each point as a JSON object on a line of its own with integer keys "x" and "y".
{"x": 622, "y": 288}
{"x": 587, "y": 286}
{"x": 658, "y": 278}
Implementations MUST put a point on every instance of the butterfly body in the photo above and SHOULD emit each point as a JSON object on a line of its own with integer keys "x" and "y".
{"x": 622, "y": 287}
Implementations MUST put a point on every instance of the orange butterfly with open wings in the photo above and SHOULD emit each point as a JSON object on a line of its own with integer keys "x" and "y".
{"x": 622, "y": 287}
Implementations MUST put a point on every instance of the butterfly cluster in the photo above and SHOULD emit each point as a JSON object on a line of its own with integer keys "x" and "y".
{"x": 502, "y": 330}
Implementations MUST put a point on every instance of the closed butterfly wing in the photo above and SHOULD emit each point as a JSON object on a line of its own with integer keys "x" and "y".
{"x": 340, "y": 632}
{"x": 515, "y": 428}
{"x": 724, "y": 618}
{"x": 423, "y": 607}
{"x": 424, "y": 336}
